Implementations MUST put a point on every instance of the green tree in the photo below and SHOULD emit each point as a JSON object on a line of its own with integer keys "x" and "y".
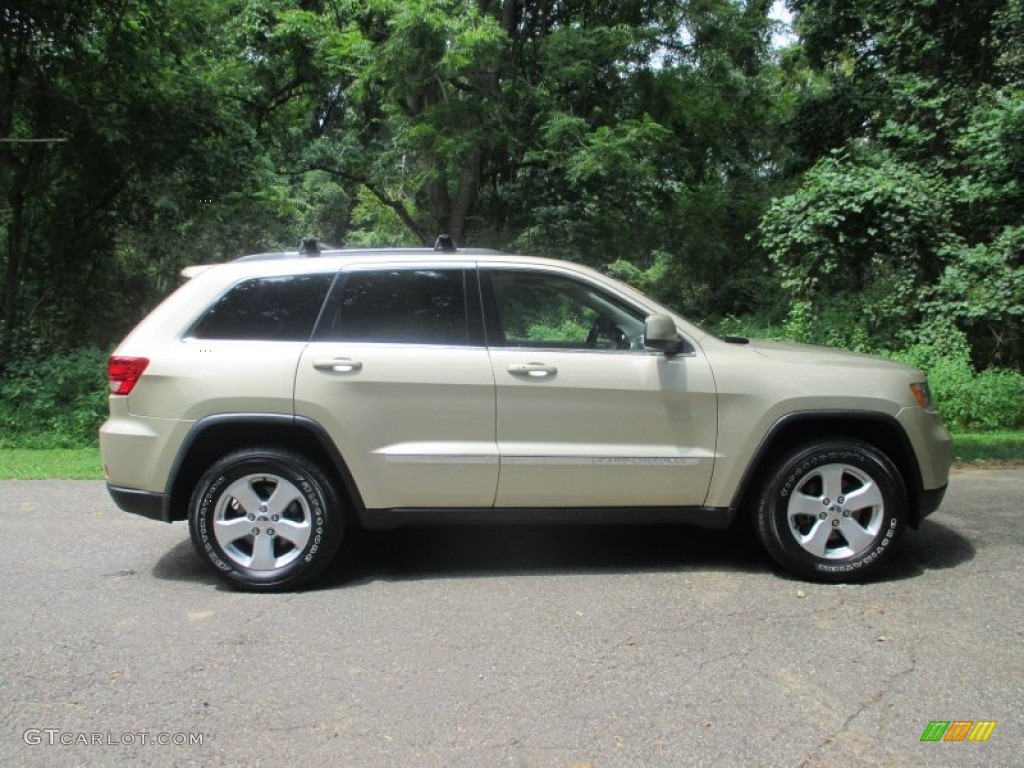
{"x": 631, "y": 131}
{"x": 640, "y": 132}
{"x": 859, "y": 243}
{"x": 120, "y": 142}
{"x": 921, "y": 176}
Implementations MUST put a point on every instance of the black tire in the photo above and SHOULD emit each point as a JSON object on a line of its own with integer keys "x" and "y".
{"x": 255, "y": 540}
{"x": 832, "y": 510}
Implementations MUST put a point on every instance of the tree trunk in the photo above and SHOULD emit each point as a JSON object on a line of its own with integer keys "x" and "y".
{"x": 12, "y": 275}
{"x": 465, "y": 197}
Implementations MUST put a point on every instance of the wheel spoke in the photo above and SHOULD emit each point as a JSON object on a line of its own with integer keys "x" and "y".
{"x": 243, "y": 492}
{"x": 832, "y": 481}
{"x": 296, "y": 533}
{"x": 262, "y": 553}
{"x": 228, "y": 531}
{"x": 817, "y": 538}
{"x": 868, "y": 495}
{"x": 858, "y": 537}
{"x": 282, "y": 497}
{"x": 803, "y": 505}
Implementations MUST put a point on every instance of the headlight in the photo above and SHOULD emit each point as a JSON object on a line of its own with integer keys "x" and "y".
{"x": 922, "y": 394}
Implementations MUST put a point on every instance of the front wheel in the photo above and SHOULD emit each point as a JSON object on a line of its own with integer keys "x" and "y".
{"x": 832, "y": 511}
{"x": 265, "y": 519}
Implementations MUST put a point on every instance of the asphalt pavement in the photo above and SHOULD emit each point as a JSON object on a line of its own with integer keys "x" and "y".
{"x": 562, "y": 647}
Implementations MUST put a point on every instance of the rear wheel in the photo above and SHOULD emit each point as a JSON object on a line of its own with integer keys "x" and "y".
{"x": 266, "y": 519}
{"x": 832, "y": 511}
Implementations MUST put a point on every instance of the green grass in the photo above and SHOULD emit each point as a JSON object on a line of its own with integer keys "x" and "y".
{"x": 1003, "y": 445}
{"x": 84, "y": 463}
{"x": 51, "y": 463}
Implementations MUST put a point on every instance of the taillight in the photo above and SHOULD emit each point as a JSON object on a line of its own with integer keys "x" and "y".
{"x": 124, "y": 372}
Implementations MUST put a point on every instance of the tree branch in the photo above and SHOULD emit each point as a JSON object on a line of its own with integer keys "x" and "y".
{"x": 395, "y": 205}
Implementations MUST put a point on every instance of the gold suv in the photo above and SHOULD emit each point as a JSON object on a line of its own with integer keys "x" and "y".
{"x": 278, "y": 400}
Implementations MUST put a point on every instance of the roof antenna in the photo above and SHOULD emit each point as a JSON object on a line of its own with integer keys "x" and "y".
{"x": 445, "y": 244}
{"x": 309, "y": 247}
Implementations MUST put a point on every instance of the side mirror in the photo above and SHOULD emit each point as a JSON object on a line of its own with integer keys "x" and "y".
{"x": 660, "y": 333}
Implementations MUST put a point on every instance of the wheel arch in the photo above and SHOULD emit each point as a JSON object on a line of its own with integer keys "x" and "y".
{"x": 215, "y": 436}
{"x": 879, "y": 430}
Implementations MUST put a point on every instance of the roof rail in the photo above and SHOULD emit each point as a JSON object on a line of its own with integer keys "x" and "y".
{"x": 445, "y": 244}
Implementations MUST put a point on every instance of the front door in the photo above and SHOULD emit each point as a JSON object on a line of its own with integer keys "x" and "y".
{"x": 586, "y": 415}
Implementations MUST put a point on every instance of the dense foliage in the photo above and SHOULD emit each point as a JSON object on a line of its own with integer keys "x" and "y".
{"x": 56, "y": 402}
{"x": 862, "y": 185}
{"x": 909, "y": 218}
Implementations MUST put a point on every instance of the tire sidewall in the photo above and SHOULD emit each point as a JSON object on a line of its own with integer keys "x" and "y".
{"x": 319, "y": 496}
{"x": 773, "y": 520}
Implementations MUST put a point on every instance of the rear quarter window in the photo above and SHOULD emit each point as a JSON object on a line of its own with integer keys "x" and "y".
{"x": 266, "y": 309}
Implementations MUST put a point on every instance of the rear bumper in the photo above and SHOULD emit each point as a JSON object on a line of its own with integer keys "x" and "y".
{"x": 143, "y": 503}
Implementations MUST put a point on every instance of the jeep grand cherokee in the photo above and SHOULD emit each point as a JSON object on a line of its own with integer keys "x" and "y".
{"x": 279, "y": 400}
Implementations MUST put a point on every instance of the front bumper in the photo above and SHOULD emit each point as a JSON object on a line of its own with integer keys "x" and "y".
{"x": 928, "y": 500}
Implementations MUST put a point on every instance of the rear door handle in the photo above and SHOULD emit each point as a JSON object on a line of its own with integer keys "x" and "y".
{"x": 337, "y": 364}
{"x": 533, "y": 370}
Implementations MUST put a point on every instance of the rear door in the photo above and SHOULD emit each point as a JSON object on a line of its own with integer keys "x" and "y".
{"x": 398, "y": 374}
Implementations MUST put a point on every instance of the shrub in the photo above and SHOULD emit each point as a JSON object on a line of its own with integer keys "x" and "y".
{"x": 863, "y": 235}
{"x": 54, "y": 402}
{"x": 991, "y": 399}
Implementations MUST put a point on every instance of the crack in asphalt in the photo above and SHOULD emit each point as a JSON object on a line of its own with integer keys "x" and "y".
{"x": 873, "y": 700}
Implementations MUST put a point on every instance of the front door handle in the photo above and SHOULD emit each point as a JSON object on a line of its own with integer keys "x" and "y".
{"x": 337, "y": 364}
{"x": 533, "y": 370}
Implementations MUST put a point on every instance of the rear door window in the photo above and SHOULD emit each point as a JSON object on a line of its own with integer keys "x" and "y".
{"x": 402, "y": 306}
